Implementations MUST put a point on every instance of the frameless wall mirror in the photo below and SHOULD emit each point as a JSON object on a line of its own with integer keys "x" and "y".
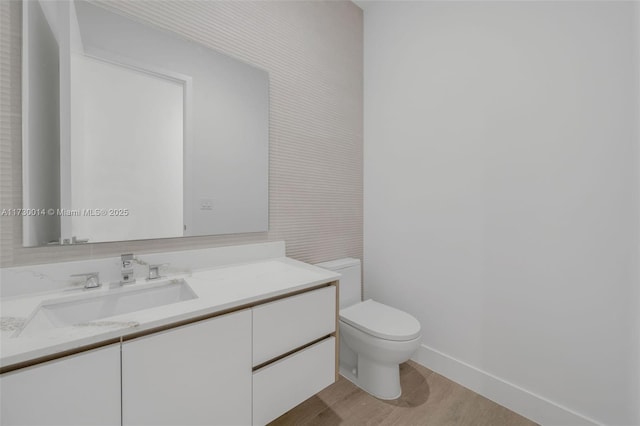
{"x": 131, "y": 132}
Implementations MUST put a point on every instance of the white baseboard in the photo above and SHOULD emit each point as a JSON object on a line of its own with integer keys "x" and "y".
{"x": 523, "y": 402}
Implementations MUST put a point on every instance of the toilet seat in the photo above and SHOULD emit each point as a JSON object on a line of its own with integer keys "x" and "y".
{"x": 381, "y": 321}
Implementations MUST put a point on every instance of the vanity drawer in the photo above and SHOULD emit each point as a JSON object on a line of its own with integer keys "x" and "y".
{"x": 280, "y": 386}
{"x": 287, "y": 324}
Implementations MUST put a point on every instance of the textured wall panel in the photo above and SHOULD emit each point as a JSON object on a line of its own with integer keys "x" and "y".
{"x": 313, "y": 53}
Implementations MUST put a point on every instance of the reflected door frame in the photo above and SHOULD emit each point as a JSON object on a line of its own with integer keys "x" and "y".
{"x": 187, "y": 138}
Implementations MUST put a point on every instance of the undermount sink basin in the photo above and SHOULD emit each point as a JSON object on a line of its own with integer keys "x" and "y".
{"x": 99, "y": 306}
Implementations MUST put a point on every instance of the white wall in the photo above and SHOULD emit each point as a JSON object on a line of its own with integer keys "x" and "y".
{"x": 501, "y": 196}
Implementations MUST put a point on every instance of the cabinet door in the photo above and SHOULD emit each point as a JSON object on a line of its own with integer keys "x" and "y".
{"x": 81, "y": 389}
{"x": 284, "y": 384}
{"x": 197, "y": 374}
{"x": 287, "y": 324}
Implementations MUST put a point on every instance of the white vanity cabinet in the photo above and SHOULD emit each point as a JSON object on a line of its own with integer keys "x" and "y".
{"x": 246, "y": 366}
{"x": 294, "y": 351}
{"x": 81, "y": 389}
{"x": 196, "y": 374}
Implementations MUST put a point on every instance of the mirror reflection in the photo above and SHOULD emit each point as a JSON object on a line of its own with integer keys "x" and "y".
{"x": 131, "y": 132}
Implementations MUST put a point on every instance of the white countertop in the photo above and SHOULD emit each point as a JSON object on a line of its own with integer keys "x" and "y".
{"x": 218, "y": 289}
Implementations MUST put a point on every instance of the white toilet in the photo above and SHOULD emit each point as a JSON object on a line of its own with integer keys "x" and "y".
{"x": 374, "y": 338}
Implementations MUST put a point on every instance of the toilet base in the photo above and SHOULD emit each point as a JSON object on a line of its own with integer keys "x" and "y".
{"x": 381, "y": 381}
{"x": 373, "y": 364}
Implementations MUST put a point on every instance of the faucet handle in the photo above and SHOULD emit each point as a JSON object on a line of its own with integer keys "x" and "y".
{"x": 127, "y": 260}
{"x": 92, "y": 279}
{"x": 154, "y": 272}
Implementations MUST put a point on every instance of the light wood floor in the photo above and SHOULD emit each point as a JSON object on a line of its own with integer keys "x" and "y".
{"x": 427, "y": 399}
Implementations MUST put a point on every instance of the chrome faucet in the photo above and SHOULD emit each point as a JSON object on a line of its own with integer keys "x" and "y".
{"x": 126, "y": 273}
{"x": 92, "y": 279}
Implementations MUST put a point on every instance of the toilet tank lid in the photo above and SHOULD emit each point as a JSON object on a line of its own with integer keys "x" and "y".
{"x": 338, "y": 264}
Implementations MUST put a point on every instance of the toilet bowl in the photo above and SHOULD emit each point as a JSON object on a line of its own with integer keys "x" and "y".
{"x": 374, "y": 338}
{"x": 381, "y": 338}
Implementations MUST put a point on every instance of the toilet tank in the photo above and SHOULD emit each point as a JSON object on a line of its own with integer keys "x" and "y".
{"x": 350, "y": 282}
